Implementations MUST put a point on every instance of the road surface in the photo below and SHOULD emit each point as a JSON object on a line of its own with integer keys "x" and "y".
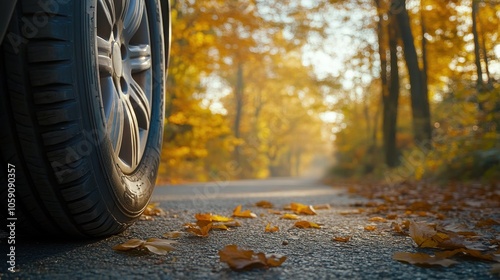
{"x": 311, "y": 253}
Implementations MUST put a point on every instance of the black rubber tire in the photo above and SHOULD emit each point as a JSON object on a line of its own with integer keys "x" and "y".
{"x": 67, "y": 178}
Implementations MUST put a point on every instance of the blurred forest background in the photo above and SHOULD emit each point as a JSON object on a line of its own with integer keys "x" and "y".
{"x": 385, "y": 89}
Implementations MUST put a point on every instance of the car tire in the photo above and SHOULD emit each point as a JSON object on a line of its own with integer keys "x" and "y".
{"x": 81, "y": 114}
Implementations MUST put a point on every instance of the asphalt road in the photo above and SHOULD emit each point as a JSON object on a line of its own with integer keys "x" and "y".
{"x": 311, "y": 253}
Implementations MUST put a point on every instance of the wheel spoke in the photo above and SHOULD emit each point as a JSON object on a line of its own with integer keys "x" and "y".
{"x": 104, "y": 56}
{"x": 113, "y": 111}
{"x": 140, "y": 57}
{"x": 108, "y": 9}
{"x": 131, "y": 136}
{"x": 140, "y": 105}
{"x": 132, "y": 18}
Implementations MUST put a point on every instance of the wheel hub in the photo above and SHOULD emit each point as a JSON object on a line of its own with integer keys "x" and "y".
{"x": 117, "y": 60}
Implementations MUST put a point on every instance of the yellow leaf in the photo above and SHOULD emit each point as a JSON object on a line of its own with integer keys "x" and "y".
{"x": 220, "y": 226}
{"x": 153, "y": 209}
{"x": 239, "y": 259}
{"x": 422, "y": 259}
{"x": 245, "y": 214}
{"x": 377, "y": 219}
{"x": 271, "y": 229}
{"x": 299, "y": 208}
{"x": 325, "y": 206}
{"x": 272, "y": 211}
{"x": 341, "y": 239}
{"x": 159, "y": 246}
{"x": 426, "y": 236}
{"x": 212, "y": 218}
{"x": 290, "y": 216}
{"x": 201, "y": 231}
{"x": 370, "y": 228}
{"x": 173, "y": 234}
{"x": 232, "y": 224}
{"x": 129, "y": 245}
{"x": 264, "y": 204}
{"x": 306, "y": 224}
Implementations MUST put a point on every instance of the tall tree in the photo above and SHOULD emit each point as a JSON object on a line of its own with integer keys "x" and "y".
{"x": 419, "y": 98}
{"x": 477, "y": 48}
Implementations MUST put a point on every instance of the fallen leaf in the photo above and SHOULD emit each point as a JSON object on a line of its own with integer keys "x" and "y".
{"x": 290, "y": 216}
{"x": 468, "y": 253}
{"x": 378, "y": 219}
{"x": 212, "y": 218}
{"x": 391, "y": 216}
{"x": 200, "y": 229}
{"x": 352, "y": 212}
{"x": 325, "y": 206}
{"x": 172, "y": 234}
{"x": 426, "y": 236}
{"x": 264, "y": 204}
{"x": 129, "y": 245}
{"x": 341, "y": 239}
{"x": 273, "y": 211}
{"x": 232, "y": 224}
{"x": 306, "y": 224}
{"x": 239, "y": 259}
{"x": 153, "y": 209}
{"x": 159, "y": 246}
{"x": 154, "y": 245}
{"x": 245, "y": 214}
{"x": 271, "y": 229}
{"x": 300, "y": 208}
{"x": 220, "y": 226}
{"x": 370, "y": 228}
{"x": 422, "y": 259}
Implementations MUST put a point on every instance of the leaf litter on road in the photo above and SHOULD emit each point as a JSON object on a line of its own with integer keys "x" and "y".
{"x": 240, "y": 259}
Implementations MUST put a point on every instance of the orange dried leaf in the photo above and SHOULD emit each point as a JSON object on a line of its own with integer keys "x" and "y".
{"x": 172, "y": 234}
{"x": 422, "y": 259}
{"x": 466, "y": 252}
{"x": 159, "y": 246}
{"x": 243, "y": 214}
{"x": 129, "y": 245}
{"x": 212, "y": 218}
{"x": 300, "y": 208}
{"x": 264, "y": 204}
{"x": 378, "y": 219}
{"x": 352, "y": 212}
{"x": 391, "y": 216}
{"x": 273, "y": 211}
{"x": 426, "y": 236}
{"x": 370, "y": 228}
{"x": 290, "y": 216}
{"x": 271, "y": 229}
{"x": 239, "y": 259}
{"x": 341, "y": 239}
{"x": 325, "y": 206}
{"x": 232, "y": 224}
{"x": 306, "y": 224}
{"x": 153, "y": 209}
{"x": 220, "y": 226}
{"x": 201, "y": 231}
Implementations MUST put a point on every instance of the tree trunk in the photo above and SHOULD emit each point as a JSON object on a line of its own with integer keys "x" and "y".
{"x": 489, "y": 82}
{"x": 423, "y": 26}
{"x": 391, "y": 100}
{"x": 389, "y": 96}
{"x": 419, "y": 98}
{"x": 238, "y": 97}
{"x": 480, "y": 82}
